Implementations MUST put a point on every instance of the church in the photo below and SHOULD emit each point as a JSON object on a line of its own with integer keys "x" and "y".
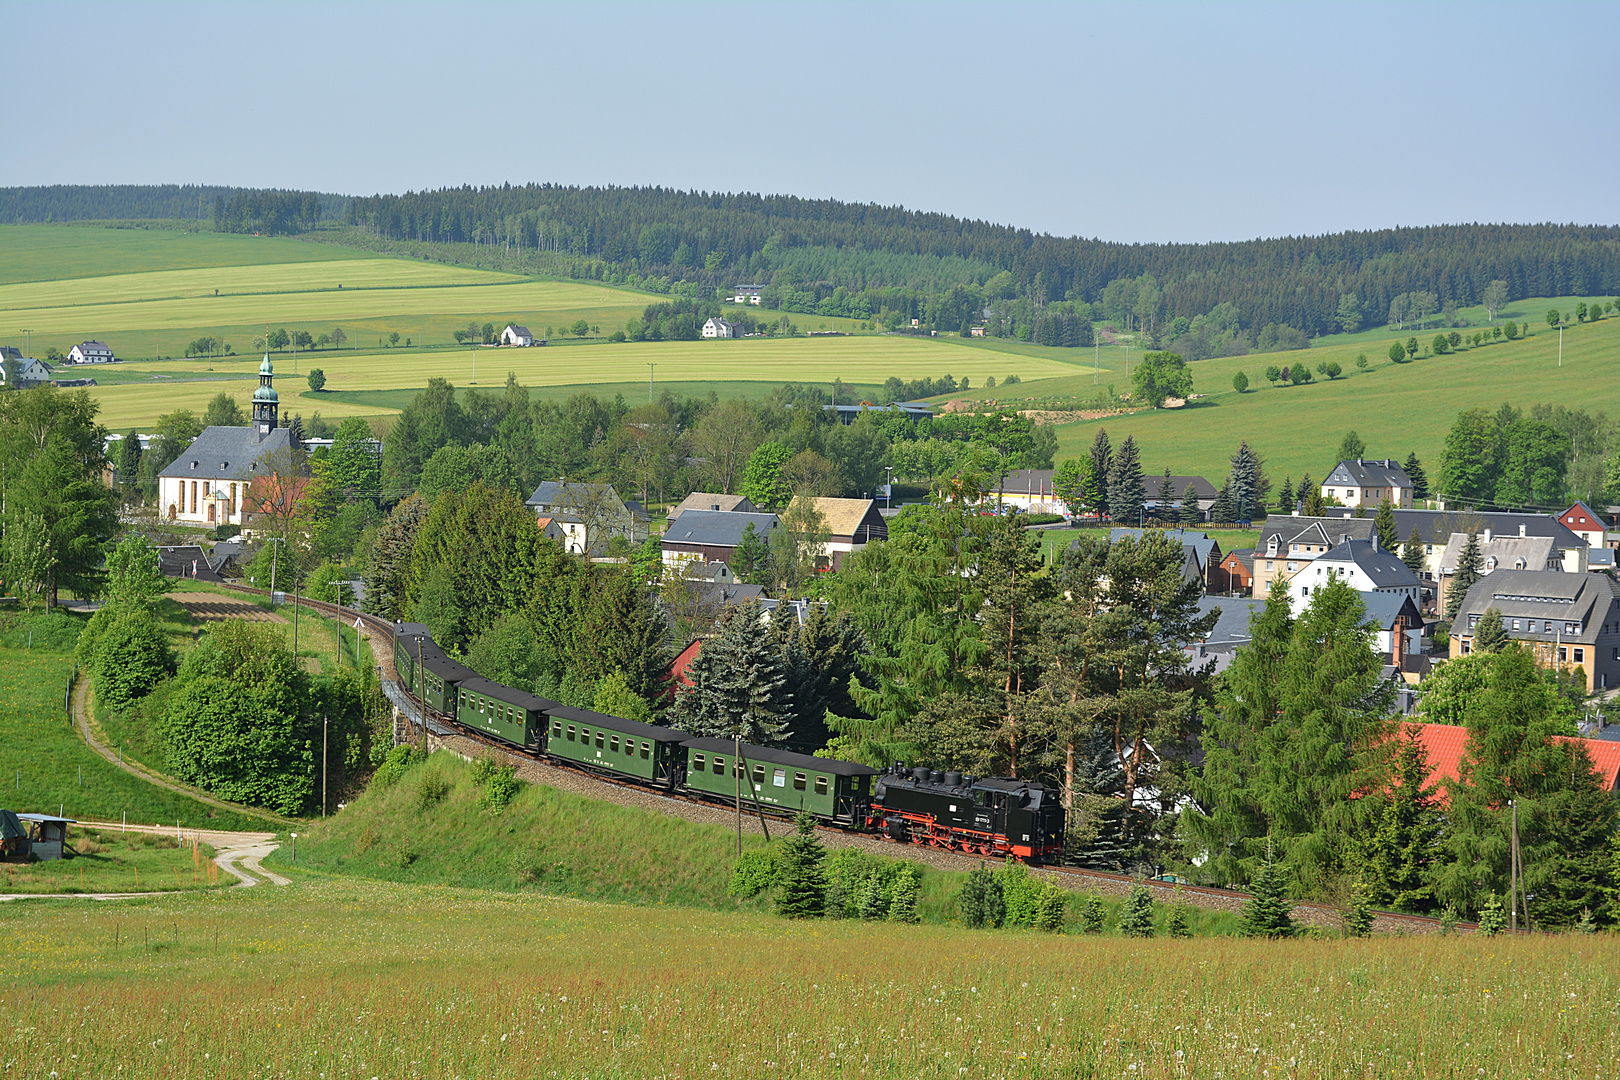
{"x": 208, "y": 484}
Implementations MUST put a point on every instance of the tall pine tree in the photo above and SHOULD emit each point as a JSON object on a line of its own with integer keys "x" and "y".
{"x": 1470, "y": 569}
{"x": 1420, "y": 479}
{"x": 1245, "y": 482}
{"x": 1395, "y": 857}
{"x": 1166, "y": 498}
{"x": 739, "y": 684}
{"x": 1389, "y": 535}
{"x": 1285, "y": 497}
{"x": 1126, "y": 496}
{"x": 1102, "y": 464}
{"x": 1412, "y": 553}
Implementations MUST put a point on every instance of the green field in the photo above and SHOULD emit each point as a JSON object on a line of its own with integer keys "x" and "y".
{"x": 61, "y": 252}
{"x": 112, "y": 859}
{"x": 362, "y": 979}
{"x": 1396, "y": 409}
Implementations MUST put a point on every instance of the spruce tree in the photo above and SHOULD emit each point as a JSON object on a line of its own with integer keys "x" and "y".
{"x": 1389, "y": 536}
{"x": 739, "y": 684}
{"x": 1180, "y": 923}
{"x": 1266, "y": 914}
{"x": 1396, "y": 854}
{"x": 1470, "y": 568}
{"x": 1412, "y": 553}
{"x": 1167, "y": 498}
{"x": 1358, "y": 920}
{"x": 1092, "y": 913}
{"x": 1102, "y": 462}
{"x": 1489, "y": 634}
{"x": 1224, "y": 511}
{"x": 1190, "y": 513}
{"x": 129, "y": 463}
{"x": 1492, "y": 916}
{"x": 1314, "y": 503}
{"x": 802, "y": 886}
{"x": 1136, "y": 914}
{"x": 1420, "y": 479}
{"x": 1125, "y": 492}
{"x": 1285, "y": 497}
{"x": 980, "y": 899}
{"x": 1302, "y": 494}
{"x": 1245, "y": 482}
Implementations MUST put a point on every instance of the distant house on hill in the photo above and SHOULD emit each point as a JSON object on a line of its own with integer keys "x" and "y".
{"x": 517, "y": 335}
{"x": 588, "y": 514}
{"x": 719, "y": 328}
{"x": 1369, "y": 483}
{"x": 33, "y": 372}
{"x": 747, "y": 294}
{"x": 90, "y": 352}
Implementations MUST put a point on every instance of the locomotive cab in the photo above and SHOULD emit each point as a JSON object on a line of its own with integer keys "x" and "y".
{"x": 990, "y": 816}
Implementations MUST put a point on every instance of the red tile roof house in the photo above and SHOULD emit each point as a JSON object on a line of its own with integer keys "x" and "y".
{"x": 1445, "y": 745}
{"x": 1581, "y": 520}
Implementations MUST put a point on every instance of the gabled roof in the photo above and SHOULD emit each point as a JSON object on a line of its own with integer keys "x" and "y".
{"x": 709, "y": 500}
{"x": 716, "y": 594}
{"x": 1323, "y": 530}
{"x": 1201, "y": 543}
{"x": 1232, "y": 628}
{"x": 1445, "y": 744}
{"x": 856, "y": 518}
{"x": 1572, "y": 518}
{"x": 1027, "y": 482}
{"x": 1385, "y": 570}
{"x": 1204, "y": 490}
{"x": 1243, "y": 557}
{"x": 1436, "y": 526}
{"x": 556, "y": 492}
{"x": 228, "y": 453}
{"x": 1543, "y": 596}
{"x": 718, "y": 528}
{"x": 522, "y": 331}
{"x": 1366, "y": 473}
{"x": 1509, "y": 553}
{"x": 1384, "y": 608}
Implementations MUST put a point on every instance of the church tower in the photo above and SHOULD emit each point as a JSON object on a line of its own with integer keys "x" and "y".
{"x": 266, "y": 405}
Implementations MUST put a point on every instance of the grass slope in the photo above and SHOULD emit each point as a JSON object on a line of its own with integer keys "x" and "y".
{"x": 1396, "y": 409}
{"x": 370, "y": 979}
{"x": 61, "y": 252}
{"x": 43, "y": 756}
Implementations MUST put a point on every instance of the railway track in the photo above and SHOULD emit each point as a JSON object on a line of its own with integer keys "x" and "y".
{"x": 1228, "y": 899}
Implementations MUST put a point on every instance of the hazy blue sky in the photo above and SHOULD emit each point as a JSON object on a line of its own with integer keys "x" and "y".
{"x": 1124, "y": 121}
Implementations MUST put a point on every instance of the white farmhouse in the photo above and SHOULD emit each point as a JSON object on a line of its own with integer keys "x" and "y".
{"x": 90, "y": 352}
{"x": 517, "y": 335}
{"x": 719, "y": 328}
{"x": 747, "y": 294}
{"x": 1363, "y": 565}
{"x": 1369, "y": 483}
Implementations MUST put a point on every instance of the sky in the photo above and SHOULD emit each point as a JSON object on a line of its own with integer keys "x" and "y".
{"x": 1139, "y": 122}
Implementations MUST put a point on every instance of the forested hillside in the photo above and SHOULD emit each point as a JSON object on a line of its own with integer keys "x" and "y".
{"x": 889, "y": 264}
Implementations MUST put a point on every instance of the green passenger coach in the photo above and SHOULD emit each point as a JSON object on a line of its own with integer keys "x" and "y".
{"x": 839, "y": 790}
{"x": 615, "y": 745}
{"x": 513, "y": 715}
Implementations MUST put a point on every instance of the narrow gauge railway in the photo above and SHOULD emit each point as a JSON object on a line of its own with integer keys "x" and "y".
{"x": 908, "y": 790}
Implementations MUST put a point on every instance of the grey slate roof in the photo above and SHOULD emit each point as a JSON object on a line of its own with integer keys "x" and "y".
{"x": 1436, "y": 526}
{"x": 1365, "y": 473}
{"x": 718, "y": 528}
{"x": 1201, "y": 543}
{"x": 1382, "y": 608}
{"x": 1503, "y": 553}
{"x": 553, "y": 492}
{"x": 1232, "y": 628}
{"x": 1385, "y": 570}
{"x": 228, "y": 453}
{"x": 1324, "y": 530}
{"x": 1203, "y": 489}
{"x": 1549, "y": 599}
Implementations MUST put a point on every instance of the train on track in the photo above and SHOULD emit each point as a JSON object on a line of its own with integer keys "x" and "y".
{"x": 995, "y": 817}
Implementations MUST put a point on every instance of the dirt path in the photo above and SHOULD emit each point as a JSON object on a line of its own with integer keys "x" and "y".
{"x": 91, "y": 732}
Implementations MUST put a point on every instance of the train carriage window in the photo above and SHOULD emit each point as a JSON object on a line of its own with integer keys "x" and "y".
{"x": 613, "y": 744}
{"x": 556, "y": 729}
{"x": 821, "y": 785}
{"x": 719, "y": 766}
{"x": 798, "y": 781}
{"x": 646, "y": 751}
{"x": 779, "y": 778}
{"x": 599, "y": 739}
{"x": 570, "y": 732}
{"x": 759, "y": 774}
{"x": 697, "y": 762}
{"x": 738, "y": 769}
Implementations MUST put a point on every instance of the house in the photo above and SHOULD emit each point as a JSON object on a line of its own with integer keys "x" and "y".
{"x": 719, "y": 328}
{"x": 713, "y": 535}
{"x": 10, "y": 352}
{"x": 32, "y": 372}
{"x": 709, "y": 500}
{"x": 1584, "y": 522}
{"x": 746, "y": 294}
{"x": 1496, "y": 553}
{"x": 208, "y": 483}
{"x": 911, "y": 410}
{"x": 1434, "y": 529}
{"x": 1206, "y": 550}
{"x": 588, "y": 514}
{"x": 1235, "y": 575}
{"x": 551, "y": 529}
{"x": 90, "y": 352}
{"x": 1029, "y": 490}
{"x": 517, "y": 335}
{"x": 1601, "y": 560}
{"x": 850, "y": 525}
{"x": 718, "y": 572}
{"x": 1288, "y": 543}
{"x": 1230, "y": 632}
{"x": 1569, "y": 622}
{"x": 1368, "y": 483}
{"x": 1361, "y": 564}
{"x": 1398, "y": 621}
{"x": 976, "y": 330}
{"x": 1446, "y": 744}
{"x": 1203, "y": 490}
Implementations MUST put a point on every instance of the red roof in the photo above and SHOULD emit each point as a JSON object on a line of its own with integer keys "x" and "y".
{"x": 1581, "y": 516}
{"x": 678, "y": 678}
{"x": 1445, "y": 745}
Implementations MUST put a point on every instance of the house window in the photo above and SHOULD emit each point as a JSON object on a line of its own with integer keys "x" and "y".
{"x": 798, "y": 777}
{"x": 1570, "y": 628}
{"x": 1269, "y": 566}
{"x": 1515, "y": 624}
{"x": 1546, "y": 627}
{"x": 1563, "y": 654}
{"x": 821, "y": 785}
{"x": 1473, "y": 621}
{"x": 1580, "y": 656}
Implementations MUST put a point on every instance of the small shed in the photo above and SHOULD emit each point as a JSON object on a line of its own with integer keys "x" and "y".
{"x": 13, "y": 836}
{"x": 47, "y": 835}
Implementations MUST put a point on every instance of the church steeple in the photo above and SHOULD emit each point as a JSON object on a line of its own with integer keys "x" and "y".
{"x": 266, "y": 404}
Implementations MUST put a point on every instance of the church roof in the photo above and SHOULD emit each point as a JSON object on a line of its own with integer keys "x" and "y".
{"x": 228, "y": 453}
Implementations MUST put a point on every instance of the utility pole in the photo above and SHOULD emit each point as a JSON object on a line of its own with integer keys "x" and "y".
{"x": 28, "y": 337}
{"x": 324, "y": 724}
{"x": 650, "y": 383}
{"x": 736, "y": 778}
{"x": 337, "y": 627}
{"x": 1560, "y": 343}
{"x": 1513, "y": 872}
{"x": 275, "y": 559}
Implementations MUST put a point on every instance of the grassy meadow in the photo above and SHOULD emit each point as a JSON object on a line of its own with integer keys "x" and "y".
{"x": 362, "y": 979}
{"x": 62, "y": 252}
{"x": 113, "y": 860}
{"x": 48, "y": 765}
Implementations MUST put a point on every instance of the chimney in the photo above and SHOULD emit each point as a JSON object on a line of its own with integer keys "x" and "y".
{"x": 1487, "y": 536}
{"x": 1521, "y": 528}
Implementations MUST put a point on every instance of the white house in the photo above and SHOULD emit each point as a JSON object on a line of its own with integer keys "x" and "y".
{"x": 90, "y": 352}
{"x": 587, "y": 515}
{"x": 1369, "y": 483}
{"x": 1363, "y": 565}
{"x": 719, "y": 328}
{"x": 208, "y": 484}
{"x": 746, "y": 294}
{"x": 32, "y": 372}
{"x": 517, "y": 335}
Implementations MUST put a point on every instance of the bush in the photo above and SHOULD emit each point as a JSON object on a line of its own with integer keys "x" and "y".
{"x": 132, "y": 655}
{"x": 1053, "y": 907}
{"x": 1021, "y": 893}
{"x": 980, "y": 900}
{"x": 1180, "y": 925}
{"x": 431, "y": 790}
{"x": 1492, "y": 918}
{"x": 1358, "y": 920}
{"x": 1039, "y": 519}
{"x": 499, "y": 788}
{"x": 754, "y": 872}
{"x": 1092, "y": 913}
{"x": 394, "y": 766}
{"x": 903, "y": 897}
{"x": 1136, "y": 914}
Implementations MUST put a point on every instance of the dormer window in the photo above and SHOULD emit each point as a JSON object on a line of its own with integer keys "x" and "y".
{"x": 224, "y": 465}
{"x": 193, "y": 464}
